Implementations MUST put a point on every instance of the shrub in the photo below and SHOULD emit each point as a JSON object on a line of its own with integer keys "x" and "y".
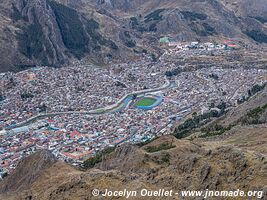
{"x": 163, "y": 146}
{"x": 258, "y": 36}
{"x": 155, "y": 15}
{"x": 91, "y": 162}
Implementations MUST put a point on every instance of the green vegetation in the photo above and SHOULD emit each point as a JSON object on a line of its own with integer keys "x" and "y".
{"x": 163, "y": 146}
{"x": 2, "y": 97}
{"x": 214, "y": 76}
{"x": 215, "y": 130}
{"x": 258, "y": 36}
{"x": 197, "y": 121}
{"x": 26, "y": 95}
{"x": 91, "y": 162}
{"x": 208, "y": 29}
{"x": 165, "y": 158}
{"x": 261, "y": 19}
{"x": 133, "y": 22}
{"x": 251, "y": 92}
{"x": 146, "y": 101}
{"x": 193, "y": 16}
{"x": 128, "y": 41}
{"x": 155, "y": 15}
{"x": 253, "y": 116}
{"x": 255, "y": 89}
{"x": 174, "y": 72}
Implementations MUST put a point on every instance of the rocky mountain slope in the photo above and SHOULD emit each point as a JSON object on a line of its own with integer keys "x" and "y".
{"x": 46, "y": 32}
{"x": 236, "y": 159}
{"x": 58, "y": 32}
{"x": 183, "y": 167}
{"x": 248, "y": 8}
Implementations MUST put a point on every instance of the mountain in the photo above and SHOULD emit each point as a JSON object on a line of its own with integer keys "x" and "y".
{"x": 60, "y": 32}
{"x": 28, "y": 171}
{"x": 235, "y": 159}
{"x": 248, "y": 8}
{"x": 44, "y": 32}
{"x": 189, "y": 20}
{"x": 185, "y": 166}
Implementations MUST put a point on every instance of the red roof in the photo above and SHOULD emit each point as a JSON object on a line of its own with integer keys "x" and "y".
{"x": 75, "y": 134}
{"x": 232, "y": 45}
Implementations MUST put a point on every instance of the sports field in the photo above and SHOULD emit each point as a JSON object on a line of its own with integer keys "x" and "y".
{"x": 146, "y": 101}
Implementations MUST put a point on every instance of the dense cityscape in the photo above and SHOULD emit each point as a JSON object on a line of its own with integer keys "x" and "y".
{"x": 65, "y": 97}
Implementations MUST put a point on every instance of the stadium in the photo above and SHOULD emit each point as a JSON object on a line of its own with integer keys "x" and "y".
{"x": 148, "y": 102}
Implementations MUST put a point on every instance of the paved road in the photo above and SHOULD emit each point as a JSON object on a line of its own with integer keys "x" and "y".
{"x": 122, "y": 103}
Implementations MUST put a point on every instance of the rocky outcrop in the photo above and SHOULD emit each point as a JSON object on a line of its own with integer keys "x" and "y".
{"x": 45, "y": 32}
{"x": 27, "y": 171}
{"x": 186, "y": 166}
{"x": 40, "y": 40}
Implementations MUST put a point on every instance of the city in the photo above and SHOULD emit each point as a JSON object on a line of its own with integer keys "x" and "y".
{"x": 87, "y": 109}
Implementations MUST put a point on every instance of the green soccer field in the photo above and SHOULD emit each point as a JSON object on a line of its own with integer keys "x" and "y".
{"x": 146, "y": 101}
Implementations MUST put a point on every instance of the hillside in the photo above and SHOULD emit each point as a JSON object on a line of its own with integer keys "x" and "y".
{"x": 100, "y": 32}
{"x": 185, "y": 166}
{"x": 44, "y": 32}
{"x": 235, "y": 159}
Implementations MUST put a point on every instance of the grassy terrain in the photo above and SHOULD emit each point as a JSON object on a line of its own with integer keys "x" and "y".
{"x": 162, "y": 146}
{"x": 145, "y": 102}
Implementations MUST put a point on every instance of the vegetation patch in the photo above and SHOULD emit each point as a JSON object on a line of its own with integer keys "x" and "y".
{"x": 154, "y": 16}
{"x": 91, "y": 162}
{"x": 2, "y": 98}
{"x": 174, "y": 72}
{"x": 26, "y": 95}
{"x": 193, "y": 16}
{"x": 253, "y": 116}
{"x": 133, "y": 22}
{"x": 251, "y": 92}
{"x": 146, "y": 101}
{"x": 127, "y": 39}
{"x": 261, "y": 19}
{"x": 258, "y": 36}
{"x": 164, "y": 158}
{"x": 215, "y": 130}
{"x": 163, "y": 146}
{"x": 197, "y": 121}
